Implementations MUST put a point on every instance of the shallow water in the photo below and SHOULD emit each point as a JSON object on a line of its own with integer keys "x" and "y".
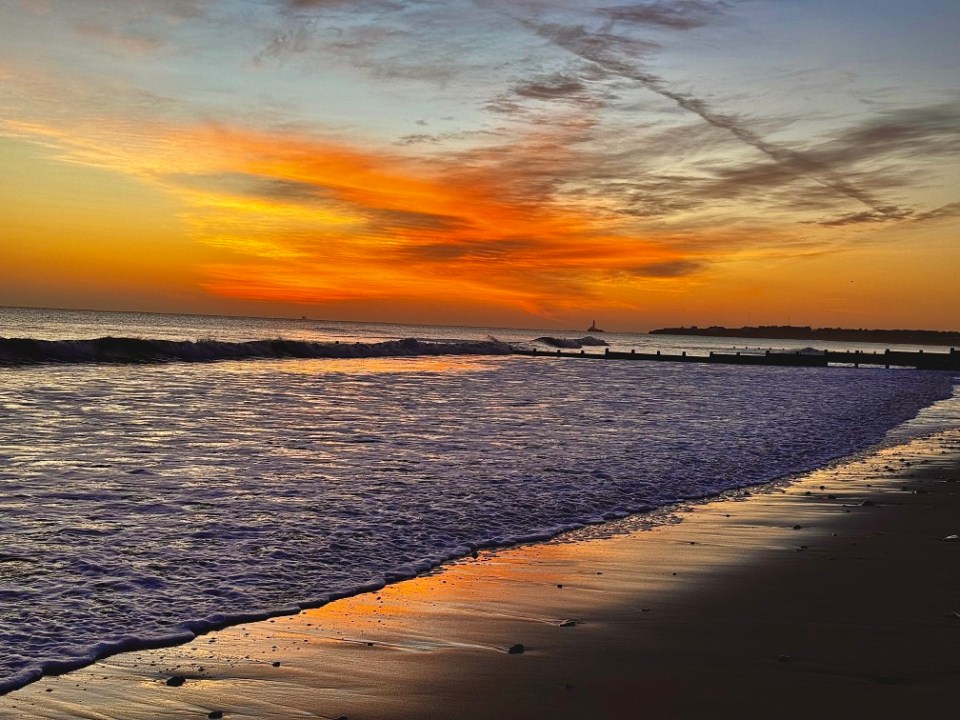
{"x": 143, "y": 503}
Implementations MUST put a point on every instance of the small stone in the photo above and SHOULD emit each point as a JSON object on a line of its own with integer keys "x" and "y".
{"x": 950, "y": 538}
{"x": 176, "y": 681}
{"x": 559, "y": 585}
{"x": 568, "y": 623}
{"x": 517, "y": 649}
{"x": 797, "y": 527}
{"x": 276, "y": 664}
{"x": 215, "y": 714}
{"x": 867, "y": 503}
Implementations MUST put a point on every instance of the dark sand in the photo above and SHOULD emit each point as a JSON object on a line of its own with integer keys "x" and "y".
{"x": 730, "y": 613}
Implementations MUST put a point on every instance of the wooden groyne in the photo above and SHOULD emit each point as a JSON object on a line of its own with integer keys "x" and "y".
{"x": 887, "y": 359}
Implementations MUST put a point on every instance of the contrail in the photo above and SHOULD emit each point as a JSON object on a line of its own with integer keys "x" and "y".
{"x": 589, "y": 47}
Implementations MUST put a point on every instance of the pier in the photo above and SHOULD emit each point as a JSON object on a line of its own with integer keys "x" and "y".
{"x": 890, "y": 358}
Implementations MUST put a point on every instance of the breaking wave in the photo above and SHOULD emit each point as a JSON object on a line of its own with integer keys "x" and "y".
{"x": 125, "y": 350}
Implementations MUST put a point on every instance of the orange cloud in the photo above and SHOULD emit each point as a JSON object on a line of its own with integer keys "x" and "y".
{"x": 312, "y": 222}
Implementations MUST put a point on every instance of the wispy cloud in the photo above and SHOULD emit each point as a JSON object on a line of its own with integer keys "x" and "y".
{"x": 617, "y": 55}
{"x": 120, "y": 41}
{"x": 558, "y": 86}
{"x": 675, "y": 15}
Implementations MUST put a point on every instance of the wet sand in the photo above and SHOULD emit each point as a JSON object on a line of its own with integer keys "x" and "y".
{"x": 833, "y": 596}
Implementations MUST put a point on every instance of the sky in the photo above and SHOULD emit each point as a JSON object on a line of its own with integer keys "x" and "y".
{"x": 523, "y": 163}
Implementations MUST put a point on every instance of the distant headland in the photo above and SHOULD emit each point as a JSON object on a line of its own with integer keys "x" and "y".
{"x": 805, "y": 332}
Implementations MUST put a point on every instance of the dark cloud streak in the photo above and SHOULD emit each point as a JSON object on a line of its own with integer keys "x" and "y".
{"x": 680, "y": 15}
{"x": 668, "y": 269}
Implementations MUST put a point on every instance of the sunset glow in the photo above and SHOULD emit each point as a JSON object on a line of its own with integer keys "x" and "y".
{"x": 514, "y": 163}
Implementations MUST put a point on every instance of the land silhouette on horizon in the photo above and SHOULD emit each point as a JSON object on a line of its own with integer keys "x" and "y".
{"x": 805, "y": 332}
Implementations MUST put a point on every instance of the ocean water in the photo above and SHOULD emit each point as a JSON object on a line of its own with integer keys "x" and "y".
{"x": 141, "y": 504}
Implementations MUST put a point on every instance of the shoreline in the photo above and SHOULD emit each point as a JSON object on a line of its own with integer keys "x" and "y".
{"x": 726, "y": 601}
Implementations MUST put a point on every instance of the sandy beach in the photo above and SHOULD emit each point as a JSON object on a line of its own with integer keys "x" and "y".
{"x": 834, "y": 595}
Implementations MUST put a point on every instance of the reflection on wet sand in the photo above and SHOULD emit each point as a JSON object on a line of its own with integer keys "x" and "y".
{"x": 831, "y": 591}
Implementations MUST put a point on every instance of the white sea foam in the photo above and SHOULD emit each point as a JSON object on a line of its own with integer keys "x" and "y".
{"x": 140, "y": 505}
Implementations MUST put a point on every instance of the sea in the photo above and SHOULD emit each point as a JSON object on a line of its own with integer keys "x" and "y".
{"x": 143, "y": 503}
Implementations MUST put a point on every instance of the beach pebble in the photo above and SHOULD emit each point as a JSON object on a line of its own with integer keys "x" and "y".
{"x": 176, "y": 681}
{"x": 797, "y": 527}
{"x": 516, "y": 649}
{"x": 276, "y": 664}
{"x": 215, "y": 714}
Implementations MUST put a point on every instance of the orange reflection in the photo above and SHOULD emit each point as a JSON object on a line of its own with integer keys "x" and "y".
{"x": 373, "y": 366}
